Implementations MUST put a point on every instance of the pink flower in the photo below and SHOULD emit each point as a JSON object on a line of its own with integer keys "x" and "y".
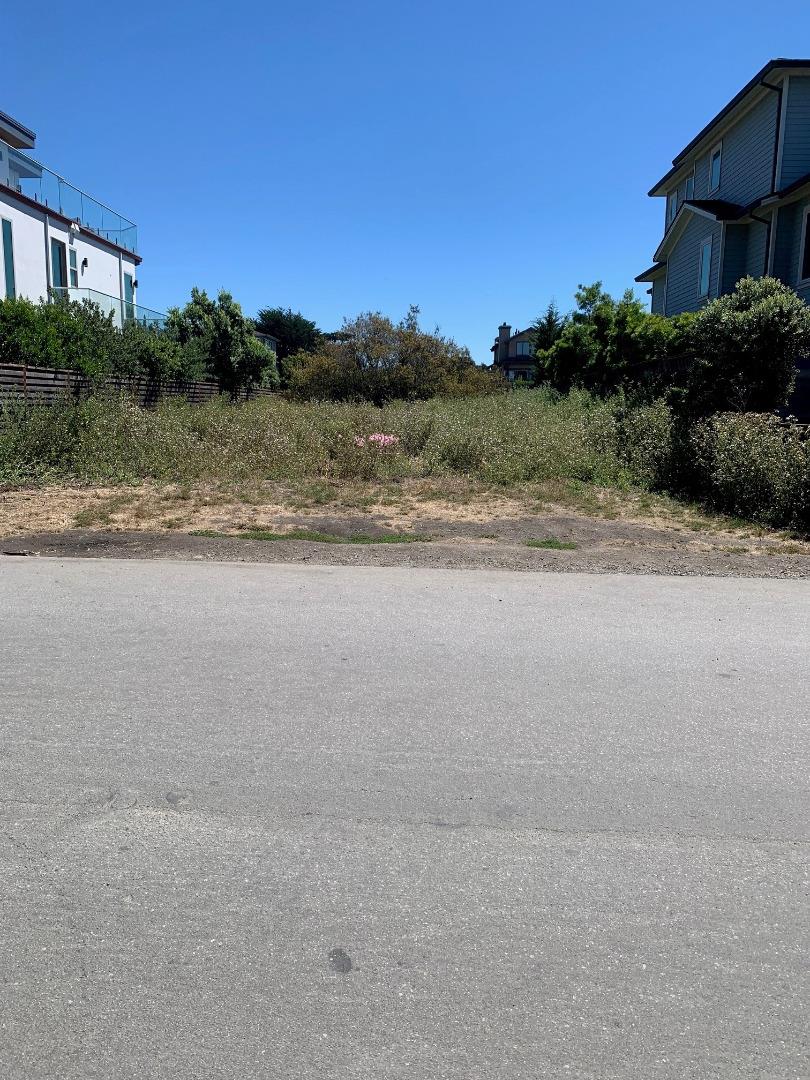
{"x": 381, "y": 440}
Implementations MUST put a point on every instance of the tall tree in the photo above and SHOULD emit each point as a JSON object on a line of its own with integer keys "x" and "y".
{"x": 548, "y": 327}
{"x": 218, "y": 335}
{"x": 375, "y": 359}
{"x": 293, "y": 332}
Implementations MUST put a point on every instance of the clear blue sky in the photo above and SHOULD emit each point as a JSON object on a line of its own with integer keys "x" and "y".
{"x": 476, "y": 159}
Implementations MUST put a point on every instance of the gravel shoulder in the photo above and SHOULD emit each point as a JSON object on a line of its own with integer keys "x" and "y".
{"x": 416, "y": 526}
{"x": 656, "y": 557}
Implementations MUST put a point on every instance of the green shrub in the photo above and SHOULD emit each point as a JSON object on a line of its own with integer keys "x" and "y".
{"x": 144, "y": 351}
{"x": 63, "y": 334}
{"x": 746, "y": 346}
{"x": 215, "y": 337}
{"x": 738, "y": 353}
{"x": 755, "y": 466}
{"x": 608, "y": 344}
{"x": 206, "y": 339}
{"x": 646, "y": 442}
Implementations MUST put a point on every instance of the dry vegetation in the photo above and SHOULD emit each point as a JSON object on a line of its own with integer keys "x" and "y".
{"x": 441, "y": 510}
{"x": 560, "y": 475}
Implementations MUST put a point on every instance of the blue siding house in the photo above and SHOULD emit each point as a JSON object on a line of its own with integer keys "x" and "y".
{"x": 737, "y": 198}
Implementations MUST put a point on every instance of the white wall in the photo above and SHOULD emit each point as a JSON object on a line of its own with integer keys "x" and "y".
{"x": 29, "y": 250}
{"x": 32, "y": 238}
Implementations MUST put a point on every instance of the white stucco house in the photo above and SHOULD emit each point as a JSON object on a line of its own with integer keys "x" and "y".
{"x": 56, "y": 240}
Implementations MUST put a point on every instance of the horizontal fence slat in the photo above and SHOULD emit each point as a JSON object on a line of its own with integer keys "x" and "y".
{"x": 46, "y": 385}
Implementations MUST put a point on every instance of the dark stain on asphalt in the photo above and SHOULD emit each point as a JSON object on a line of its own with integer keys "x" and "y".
{"x": 174, "y": 799}
{"x": 340, "y": 961}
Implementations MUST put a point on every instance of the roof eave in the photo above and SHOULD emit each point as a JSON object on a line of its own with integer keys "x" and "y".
{"x": 15, "y": 133}
{"x": 781, "y": 63}
{"x": 652, "y": 273}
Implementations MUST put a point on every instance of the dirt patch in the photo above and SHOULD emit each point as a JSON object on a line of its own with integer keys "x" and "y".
{"x": 454, "y": 525}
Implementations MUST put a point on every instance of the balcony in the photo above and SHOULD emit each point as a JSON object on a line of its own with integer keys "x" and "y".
{"x": 21, "y": 173}
{"x": 122, "y": 310}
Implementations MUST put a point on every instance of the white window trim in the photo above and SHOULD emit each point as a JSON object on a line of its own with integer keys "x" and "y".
{"x": 799, "y": 279}
{"x": 718, "y": 147}
{"x": 710, "y": 241}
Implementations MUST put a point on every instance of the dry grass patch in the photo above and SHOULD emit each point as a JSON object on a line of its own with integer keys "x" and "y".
{"x": 451, "y": 508}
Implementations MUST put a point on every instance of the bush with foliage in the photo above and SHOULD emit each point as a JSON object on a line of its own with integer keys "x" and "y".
{"x": 205, "y": 339}
{"x": 374, "y": 359}
{"x": 216, "y": 337}
{"x": 63, "y": 334}
{"x": 150, "y": 353}
{"x": 736, "y": 353}
{"x": 745, "y": 347}
{"x": 605, "y": 344}
{"x": 754, "y": 465}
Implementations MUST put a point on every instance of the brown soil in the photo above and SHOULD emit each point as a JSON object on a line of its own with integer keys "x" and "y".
{"x": 462, "y": 527}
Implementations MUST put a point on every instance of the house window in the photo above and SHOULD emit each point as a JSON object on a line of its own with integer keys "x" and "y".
{"x": 74, "y": 269}
{"x": 524, "y": 348}
{"x": 690, "y": 186}
{"x": 705, "y": 267}
{"x": 715, "y": 159}
{"x": 129, "y": 297}
{"x": 672, "y": 206}
{"x": 8, "y": 260}
{"x": 58, "y": 265}
{"x": 804, "y": 254}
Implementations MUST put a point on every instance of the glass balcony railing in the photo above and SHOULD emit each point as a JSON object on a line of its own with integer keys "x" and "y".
{"x": 122, "y": 311}
{"x": 21, "y": 173}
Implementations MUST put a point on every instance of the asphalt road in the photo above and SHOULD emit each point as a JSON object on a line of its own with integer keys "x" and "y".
{"x": 272, "y": 821}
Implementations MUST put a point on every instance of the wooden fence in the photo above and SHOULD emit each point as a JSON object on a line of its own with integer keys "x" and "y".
{"x": 44, "y": 386}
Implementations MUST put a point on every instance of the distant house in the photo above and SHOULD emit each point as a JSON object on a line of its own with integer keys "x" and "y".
{"x": 58, "y": 241}
{"x": 267, "y": 339}
{"x": 513, "y": 354}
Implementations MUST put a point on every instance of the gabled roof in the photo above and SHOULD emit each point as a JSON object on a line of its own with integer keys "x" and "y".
{"x": 677, "y": 162}
{"x": 712, "y": 209}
